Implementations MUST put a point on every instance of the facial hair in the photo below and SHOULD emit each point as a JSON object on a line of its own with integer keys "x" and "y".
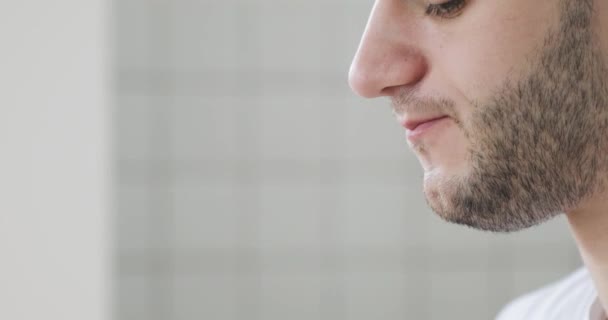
{"x": 537, "y": 146}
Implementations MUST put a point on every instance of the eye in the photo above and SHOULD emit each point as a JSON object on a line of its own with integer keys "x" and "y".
{"x": 448, "y": 9}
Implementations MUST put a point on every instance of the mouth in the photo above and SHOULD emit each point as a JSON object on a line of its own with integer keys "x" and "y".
{"x": 416, "y": 124}
{"x": 415, "y": 129}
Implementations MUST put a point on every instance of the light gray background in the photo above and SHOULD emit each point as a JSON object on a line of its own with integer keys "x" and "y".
{"x": 54, "y": 160}
{"x": 252, "y": 184}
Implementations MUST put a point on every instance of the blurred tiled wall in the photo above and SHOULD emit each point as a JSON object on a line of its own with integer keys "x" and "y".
{"x": 253, "y": 185}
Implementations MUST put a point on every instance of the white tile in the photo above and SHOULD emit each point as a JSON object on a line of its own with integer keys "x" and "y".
{"x": 161, "y": 110}
{"x": 205, "y": 35}
{"x": 343, "y": 24}
{"x": 393, "y": 172}
{"x": 294, "y": 297}
{"x": 332, "y": 123}
{"x": 290, "y": 216}
{"x": 289, "y": 36}
{"x": 373, "y": 215}
{"x": 459, "y": 295}
{"x": 205, "y": 128}
{"x": 290, "y": 128}
{"x": 133, "y": 138}
{"x": 443, "y": 234}
{"x": 132, "y": 217}
{"x": 131, "y": 299}
{"x": 450, "y": 259}
{"x": 373, "y": 131}
{"x": 554, "y": 231}
{"x": 543, "y": 257}
{"x": 132, "y": 34}
{"x": 212, "y": 296}
{"x": 205, "y": 216}
{"x": 158, "y": 38}
{"x": 384, "y": 295}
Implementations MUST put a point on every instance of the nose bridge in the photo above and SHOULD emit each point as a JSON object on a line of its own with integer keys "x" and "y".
{"x": 388, "y": 55}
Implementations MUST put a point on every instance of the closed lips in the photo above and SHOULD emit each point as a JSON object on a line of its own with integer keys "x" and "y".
{"x": 412, "y": 124}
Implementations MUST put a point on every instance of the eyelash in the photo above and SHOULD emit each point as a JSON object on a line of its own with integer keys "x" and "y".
{"x": 448, "y": 9}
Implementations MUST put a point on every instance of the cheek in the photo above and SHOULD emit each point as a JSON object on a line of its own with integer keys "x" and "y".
{"x": 495, "y": 41}
{"x": 601, "y": 26}
{"x": 454, "y": 150}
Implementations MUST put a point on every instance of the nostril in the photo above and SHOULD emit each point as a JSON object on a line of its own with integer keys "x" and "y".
{"x": 389, "y": 91}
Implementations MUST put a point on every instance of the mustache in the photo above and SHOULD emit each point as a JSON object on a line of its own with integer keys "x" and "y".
{"x": 406, "y": 102}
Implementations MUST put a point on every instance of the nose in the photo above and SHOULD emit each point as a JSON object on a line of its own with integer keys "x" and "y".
{"x": 387, "y": 57}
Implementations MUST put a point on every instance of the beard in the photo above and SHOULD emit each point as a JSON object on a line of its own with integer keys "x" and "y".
{"x": 536, "y": 146}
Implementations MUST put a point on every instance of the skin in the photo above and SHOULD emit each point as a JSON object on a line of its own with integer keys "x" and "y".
{"x": 525, "y": 86}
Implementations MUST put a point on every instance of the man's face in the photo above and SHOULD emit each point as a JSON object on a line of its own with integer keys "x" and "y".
{"x": 522, "y": 86}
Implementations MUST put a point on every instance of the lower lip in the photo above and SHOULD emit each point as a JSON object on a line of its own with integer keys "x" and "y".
{"x": 424, "y": 128}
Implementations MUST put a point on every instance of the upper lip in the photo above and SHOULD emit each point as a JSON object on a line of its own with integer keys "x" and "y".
{"x": 411, "y": 123}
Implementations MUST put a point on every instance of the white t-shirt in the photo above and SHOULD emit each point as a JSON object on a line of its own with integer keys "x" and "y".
{"x": 571, "y": 298}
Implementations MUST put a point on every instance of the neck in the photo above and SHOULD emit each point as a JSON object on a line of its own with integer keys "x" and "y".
{"x": 589, "y": 226}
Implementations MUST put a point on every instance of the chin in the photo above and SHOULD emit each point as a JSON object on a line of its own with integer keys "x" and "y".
{"x": 450, "y": 197}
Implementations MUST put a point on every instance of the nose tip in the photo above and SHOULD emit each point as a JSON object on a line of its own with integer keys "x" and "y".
{"x": 360, "y": 82}
{"x": 380, "y": 73}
